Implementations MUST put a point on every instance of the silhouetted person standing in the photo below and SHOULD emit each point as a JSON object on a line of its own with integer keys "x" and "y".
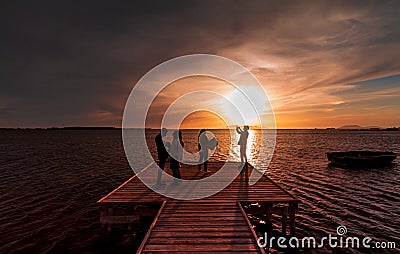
{"x": 244, "y": 134}
{"x": 176, "y": 151}
{"x": 203, "y": 149}
{"x": 162, "y": 153}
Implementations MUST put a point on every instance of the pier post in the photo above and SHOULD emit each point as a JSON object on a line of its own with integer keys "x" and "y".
{"x": 103, "y": 212}
{"x": 110, "y": 212}
{"x": 284, "y": 219}
{"x": 292, "y": 218}
{"x": 268, "y": 213}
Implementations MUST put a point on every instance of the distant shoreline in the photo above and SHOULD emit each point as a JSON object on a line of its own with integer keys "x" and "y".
{"x": 65, "y": 128}
{"x": 118, "y": 128}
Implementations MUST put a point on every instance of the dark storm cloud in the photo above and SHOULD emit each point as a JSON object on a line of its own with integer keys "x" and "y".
{"x": 63, "y": 61}
{"x": 70, "y": 63}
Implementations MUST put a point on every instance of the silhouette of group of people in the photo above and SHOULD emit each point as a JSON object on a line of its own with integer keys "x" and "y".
{"x": 175, "y": 151}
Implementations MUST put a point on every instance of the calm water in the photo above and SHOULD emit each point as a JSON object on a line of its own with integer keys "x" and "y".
{"x": 50, "y": 182}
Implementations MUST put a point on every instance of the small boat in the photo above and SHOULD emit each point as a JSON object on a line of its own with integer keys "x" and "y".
{"x": 361, "y": 158}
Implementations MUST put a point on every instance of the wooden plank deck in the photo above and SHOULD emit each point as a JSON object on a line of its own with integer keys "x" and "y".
{"x": 200, "y": 227}
{"x": 214, "y": 224}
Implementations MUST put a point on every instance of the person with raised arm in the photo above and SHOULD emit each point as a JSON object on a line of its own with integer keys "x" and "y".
{"x": 244, "y": 134}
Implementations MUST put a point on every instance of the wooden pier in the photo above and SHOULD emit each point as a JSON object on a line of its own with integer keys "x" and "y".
{"x": 214, "y": 224}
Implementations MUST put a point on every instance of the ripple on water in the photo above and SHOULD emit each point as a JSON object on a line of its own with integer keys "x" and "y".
{"x": 50, "y": 182}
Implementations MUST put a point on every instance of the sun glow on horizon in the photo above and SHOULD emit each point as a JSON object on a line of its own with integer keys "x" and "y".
{"x": 242, "y": 110}
{"x": 329, "y": 107}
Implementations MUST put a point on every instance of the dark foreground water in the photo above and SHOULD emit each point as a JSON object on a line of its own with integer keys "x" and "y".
{"x": 50, "y": 181}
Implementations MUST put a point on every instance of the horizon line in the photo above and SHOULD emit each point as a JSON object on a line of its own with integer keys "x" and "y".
{"x": 229, "y": 128}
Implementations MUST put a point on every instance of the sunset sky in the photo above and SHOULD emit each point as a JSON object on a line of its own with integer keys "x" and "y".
{"x": 322, "y": 63}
